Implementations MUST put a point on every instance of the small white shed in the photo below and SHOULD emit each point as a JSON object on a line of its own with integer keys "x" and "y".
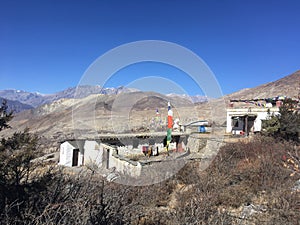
{"x": 84, "y": 152}
{"x": 71, "y": 153}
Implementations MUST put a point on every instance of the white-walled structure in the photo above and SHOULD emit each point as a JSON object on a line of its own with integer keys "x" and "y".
{"x": 91, "y": 152}
{"x": 82, "y": 152}
{"x": 245, "y": 120}
{"x": 71, "y": 153}
{"x": 116, "y": 154}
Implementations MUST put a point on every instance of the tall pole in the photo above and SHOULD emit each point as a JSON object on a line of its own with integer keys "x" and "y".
{"x": 169, "y": 126}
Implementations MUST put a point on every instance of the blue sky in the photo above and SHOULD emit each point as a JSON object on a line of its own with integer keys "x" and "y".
{"x": 46, "y": 46}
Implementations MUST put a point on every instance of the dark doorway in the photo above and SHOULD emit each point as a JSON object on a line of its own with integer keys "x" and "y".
{"x": 135, "y": 143}
{"x": 75, "y": 157}
{"x": 250, "y": 124}
{"x": 105, "y": 159}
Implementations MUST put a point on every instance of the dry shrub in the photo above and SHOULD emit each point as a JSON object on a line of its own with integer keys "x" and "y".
{"x": 236, "y": 178}
{"x": 241, "y": 174}
{"x": 257, "y": 164}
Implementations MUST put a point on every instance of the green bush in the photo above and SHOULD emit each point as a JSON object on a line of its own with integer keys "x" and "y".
{"x": 286, "y": 125}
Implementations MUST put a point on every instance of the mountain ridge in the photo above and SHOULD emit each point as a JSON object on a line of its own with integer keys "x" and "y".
{"x": 139, "y": 104}
{"x": 288, "y": 86}
{"x": 36, "y": 99}
{"x": 133, "y": 110}
{"x": 15, "y": 106}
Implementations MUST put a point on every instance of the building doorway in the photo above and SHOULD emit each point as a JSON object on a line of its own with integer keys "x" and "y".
{"x": 242, "y": 124}
{"x": 105, "y": 160}
{"x": 75, "y": 157}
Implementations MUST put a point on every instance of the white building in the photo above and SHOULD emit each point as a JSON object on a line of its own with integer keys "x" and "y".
{"x": 247, "y": 120}
{"x": 82, "y": 152}
{"x": 91, "y": 152}
{"x": 71, "y": 153}
{"x": 96, "y": 154}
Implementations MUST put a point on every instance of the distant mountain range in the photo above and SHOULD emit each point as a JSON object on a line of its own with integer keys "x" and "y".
{"x": 21, "y": 100}
{"x": 194, "y": 99}
{"x": 37, "y": 99}
{"x": 53, "y": 115}
{"x": 16, "y": 106}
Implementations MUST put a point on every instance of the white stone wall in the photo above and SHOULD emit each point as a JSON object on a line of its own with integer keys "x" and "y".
{"x": 121, "y": 164}
{"x": 93, "y": 153}
{"x": 125, "y": 167}
{"x": 66, "y": 154}
{"x": 128, "y": 149}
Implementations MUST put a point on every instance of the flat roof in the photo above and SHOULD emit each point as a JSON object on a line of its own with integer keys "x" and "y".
{"x": 253, "y": 110}
{"x": 114, "y": 136}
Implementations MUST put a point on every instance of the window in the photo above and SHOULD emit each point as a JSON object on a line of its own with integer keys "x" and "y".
{"x": 235, "y": 122}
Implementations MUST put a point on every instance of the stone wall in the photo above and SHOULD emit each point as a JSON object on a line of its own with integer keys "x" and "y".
{"x": 120, "y": 163}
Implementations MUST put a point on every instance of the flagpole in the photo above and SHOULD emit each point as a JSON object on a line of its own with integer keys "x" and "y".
{"x": 169, "y": 126}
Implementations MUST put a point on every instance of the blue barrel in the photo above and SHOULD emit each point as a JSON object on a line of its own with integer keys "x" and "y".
{"x": 202, "y": 129}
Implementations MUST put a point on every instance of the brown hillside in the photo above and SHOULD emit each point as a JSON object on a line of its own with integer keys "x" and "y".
{"x": 100, "y": 113}
{"x": 287, "y": 86}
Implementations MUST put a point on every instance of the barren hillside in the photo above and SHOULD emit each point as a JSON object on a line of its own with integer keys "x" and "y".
{"x": 287, "y": 86}
{"x": 103, "y": 113}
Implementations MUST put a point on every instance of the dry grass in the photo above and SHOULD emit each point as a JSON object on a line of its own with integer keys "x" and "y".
{"x": 247, "y": 183}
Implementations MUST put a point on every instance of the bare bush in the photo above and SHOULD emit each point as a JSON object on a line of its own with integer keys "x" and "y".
{"x": 247, "y": 183}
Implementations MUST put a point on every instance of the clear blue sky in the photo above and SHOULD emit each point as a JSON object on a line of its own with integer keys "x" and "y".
{"x": 46, "y": 46}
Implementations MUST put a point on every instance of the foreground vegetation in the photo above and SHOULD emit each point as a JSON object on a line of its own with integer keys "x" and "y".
{"x": 246, "y": 183}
